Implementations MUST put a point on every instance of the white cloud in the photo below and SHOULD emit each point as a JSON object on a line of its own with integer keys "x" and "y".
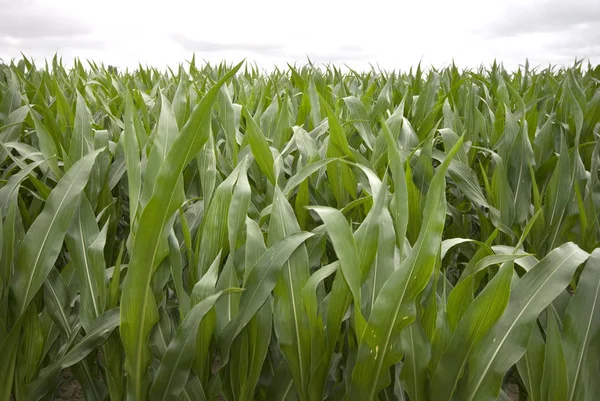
{"x": 391, "y": 34}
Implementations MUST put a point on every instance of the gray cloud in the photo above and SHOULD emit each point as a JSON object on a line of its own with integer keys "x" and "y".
{"x": 549, "y": 16}
{"x": 350, "y": 49}
{"x": 585, "y": 37}
{"x": 31, "y": 28}
{"x": 344, "y": 53}
{"x": 339, "y": 55}
{"x": 559, "y": 31}
{"x": 28, "y": 20}
{"x": 50, "y": 43}
{"x": 201, "y": 46}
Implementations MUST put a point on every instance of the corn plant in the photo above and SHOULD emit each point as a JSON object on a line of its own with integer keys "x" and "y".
{"x": 220, "y": 233}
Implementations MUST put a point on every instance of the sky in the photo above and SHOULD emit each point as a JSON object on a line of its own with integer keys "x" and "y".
{"x": 381, "y": 33}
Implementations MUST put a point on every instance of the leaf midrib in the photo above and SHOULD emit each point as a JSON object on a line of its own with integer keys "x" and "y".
{"x": 43, "y": 246}
{"x": 512, "y": 325}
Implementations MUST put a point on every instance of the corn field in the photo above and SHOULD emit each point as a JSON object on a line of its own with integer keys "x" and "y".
{"x": 222, "y": 233}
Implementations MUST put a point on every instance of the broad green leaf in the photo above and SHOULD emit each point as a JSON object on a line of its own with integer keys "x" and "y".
{"x": 11, "y": 99}
{"x": 581, "y": 326}
{"x": 226, "y": 113}
{"x": 177, "y": 274}
{"x": 303, "y": 174}
{"x": 258, "y": 285}
{"x": 379, "y": 345}
{"x": 282, "y": 131}
{"x": 341, "y": 177}
{"x": 417, "y": 352}
{"x": 558, "y": 194}
{"x": 172, "y": 374}
{"x": 47, "y": 146}
{"x": 507, "y": 341}
{"x": 138, "y": 309}
{"x": 531, "y": 365}
{"x": 260, "y": 147}
{"x": 9, "y": 348}
{"x": 14, "y": 183}
{"x": 57, "y": 299}
{"x": 95, "y": 336}
{"x": 400, "y": 198}
{"x": 217, "y": 219}
{"x": 360, "y": 120}
{"x": 86, "y": 246}
{"x": 166, "y": 133}
{"x": 180, "y": 100}
{"x": 132, "y": 159}
{"x": 290, "y": 321}
{"x": 478, "y": 318}
{"x": 518, "y": 159}
{"x": 346, "y": 249}
{"x": 257, "y": 333}
{"x": 240, "y": 202}
{"x": 44, "y": 239}
{"x": 207, "y": 167}
{"x": 554, "y": 377}
{"x": 82, "y": 136}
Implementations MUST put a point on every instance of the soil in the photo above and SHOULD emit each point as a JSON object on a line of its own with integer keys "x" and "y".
{"x": 69, "y": 389}
{"x": 512, "y": 389}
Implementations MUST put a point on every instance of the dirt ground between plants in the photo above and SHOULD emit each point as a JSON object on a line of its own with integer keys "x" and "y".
{"x": 69, "y": 389}
{"x": 512, "y": 389}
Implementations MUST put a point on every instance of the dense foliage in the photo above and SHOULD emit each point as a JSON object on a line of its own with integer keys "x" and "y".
{"x": 222, "y": 233}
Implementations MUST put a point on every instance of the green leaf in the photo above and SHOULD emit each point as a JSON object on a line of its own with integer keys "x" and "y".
{"x": 345, "y": 247}
{"x": 86, "y": 247}
{"x": 282, "y": 129}
{"x": 228, "y": 121}
{"x": 379, "y": 346}
{"x": 82, "y": 136}
{"x": 417, "y": 352}
{"x": 132, "y": 160}
{"x": 95, "y": 336}
{"x": 260, "y": 147}
{"x": 507, "y": 341}
{"x": 531, "y": 365}
{"x": 217, "y": 219}
{"x": 174, "y": 368}
{"x": 9, "y": 348}
{"x": 12, "y": 97}
{"x": 166, "y": 134}
{"x": 180, "y": 100}
{"x": 258, "y": 285}
{"x": 47, "y": 146}
{"x": 43, "y": 241}
{"x": 581, "y": 326}
{"x": 400, "y": 198}
{"x": 177, "y": 274}
{"x": 360, "y": 120}
{"x": 14, "y": 183}
{"x": 291, "y": 323}
{"x": 554, "y": 378}
{"x": 12, "y": 129}
{"x": 519, "y": 158}
{"x": 478, "y": 318}
{"x": 240, "y": 202}
{"x": 303, "y": 174}
{"x": 207, "y": 166}
{"x": 138, "y": 309}
{"x": 341, "y": 177}
{"x": 257, "y": 333}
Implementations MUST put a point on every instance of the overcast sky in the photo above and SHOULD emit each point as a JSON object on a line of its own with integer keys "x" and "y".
{"x": 391, "y": 34}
